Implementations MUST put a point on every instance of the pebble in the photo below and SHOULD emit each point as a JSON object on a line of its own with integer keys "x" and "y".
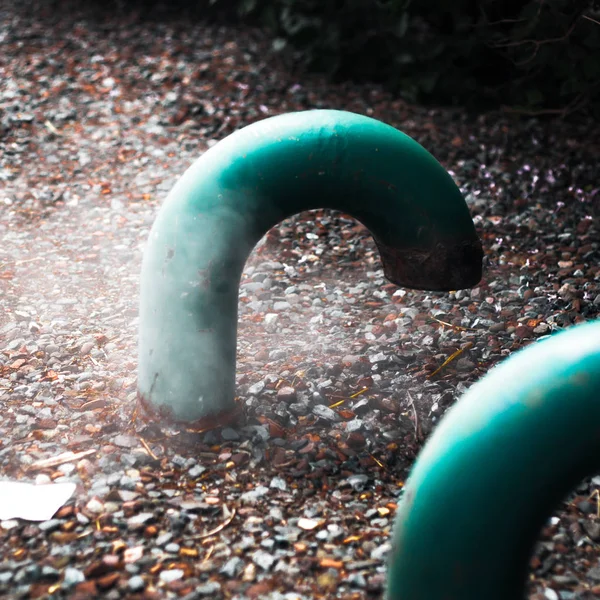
{"x": 50, "y": 525}
{"x": 5, "y": 577}
{"x": 262, "y": 559}
{"x": 255, "y": 494}
{"x": 196, "y": 471}
{"x": 257, "y": 388}
{"x": 232, "y": 567}
{"x": 95, "y": 506}
{"x": 286, "y": 394}
{"x": 464, "y": 364}
{"x": 86, "y": 348}
{"x": 72, "y": 577}
{"x": 324, "y": 412}
{"x": 594, "y": 573}
{"x": 229, "y": 434}
{"x": 139, "y": 520}
{"x": 278, "y": 483}
{"x": 210, "y": 588}
{"x": 357, "y": 482}
{"x": 125, "y": 441}
{"x": 136, "y": 583}
{"x": 171, "y": 575}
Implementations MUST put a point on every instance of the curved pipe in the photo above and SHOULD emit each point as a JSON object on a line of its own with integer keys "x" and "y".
{"x": 493, "y": 471}
{"x": 247, "y": 183}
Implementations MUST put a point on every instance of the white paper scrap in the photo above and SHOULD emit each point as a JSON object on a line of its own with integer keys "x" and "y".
{"x": 21, "y": 500}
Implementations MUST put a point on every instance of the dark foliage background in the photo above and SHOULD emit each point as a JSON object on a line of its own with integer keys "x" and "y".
{"x": 528, "y": 56}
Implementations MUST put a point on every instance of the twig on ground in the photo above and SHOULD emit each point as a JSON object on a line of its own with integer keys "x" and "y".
{"x": 218, "y": 528}
{"x": 452, "y": 357}
{"x": 418, "y": 432}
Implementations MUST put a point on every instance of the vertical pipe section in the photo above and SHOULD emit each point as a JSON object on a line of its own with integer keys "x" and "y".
{"x": 247, "y": 183}
{"x": 493, "y": 471}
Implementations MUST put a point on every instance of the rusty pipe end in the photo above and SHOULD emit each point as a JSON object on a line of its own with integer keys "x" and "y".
{"x": 450, "y": 265}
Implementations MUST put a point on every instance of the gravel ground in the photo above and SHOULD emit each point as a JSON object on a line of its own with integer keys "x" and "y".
{"x": 337, "y": 368}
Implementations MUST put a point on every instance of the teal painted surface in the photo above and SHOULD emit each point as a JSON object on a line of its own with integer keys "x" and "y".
{"x": 247, "y": 183}
{"x": 493, "y": 471}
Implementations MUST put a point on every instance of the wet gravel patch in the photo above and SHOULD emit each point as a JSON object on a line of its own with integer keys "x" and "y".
{"x": 340, "y": 374}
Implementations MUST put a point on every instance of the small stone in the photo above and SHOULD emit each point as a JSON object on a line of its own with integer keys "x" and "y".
{"x": 281, "y": 305}
{"x": 592, "y": 528}
{"x": 381, "y": 552}
{"x": 464, "y": 364}
{"x": 86, "y": 348}
{"x": 299, "y": 409}
{"x": 196, "y": 471}
{"x": 210, "y": 588}
{"x": 72, "y": 577}
{"x": 594, "y": 573}
{"x": 324, "y": 412}
{"x": 127, "y": 495}
{"x": 28, "y": 574}
{"x": 358, "y": 482}
{"x": 171, "y": 575}
{"x": 376, "y": 582}
{"x": 255, "y": 494}
{"x": 522, "y": 331}
{"x": 356, "y": 440}
{"x": 354, "y": 425}
{"x": 308, "y": 524}
{"x": 164, "y": 538}
{"x": 95, "y": 506}
{"x": 257, "y": 388}
{"x": 566, "y": 291}
{"x": 9, "y": 524}
{"x": 136, "y": 583}
{"x": 50, "y": 525}
{"x": 125, "y": 441}
{"x": 263, "y": 559}
{"x": 278, "y": 483}
{"x": 379, "y": 357}
{"x": 232, "y": 567}
{"x": 140, "y": 520}
{"x": 286, "y": 394}
{"x": 229, "y": 434}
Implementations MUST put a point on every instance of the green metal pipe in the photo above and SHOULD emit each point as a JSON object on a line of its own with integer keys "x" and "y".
{"x": 493, "y": 471}
{"x": 247, "y": 183}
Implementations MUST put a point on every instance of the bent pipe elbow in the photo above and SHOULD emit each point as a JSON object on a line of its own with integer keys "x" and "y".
{"x": 247, "y": 183}
{"x": 493, "y": 471}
